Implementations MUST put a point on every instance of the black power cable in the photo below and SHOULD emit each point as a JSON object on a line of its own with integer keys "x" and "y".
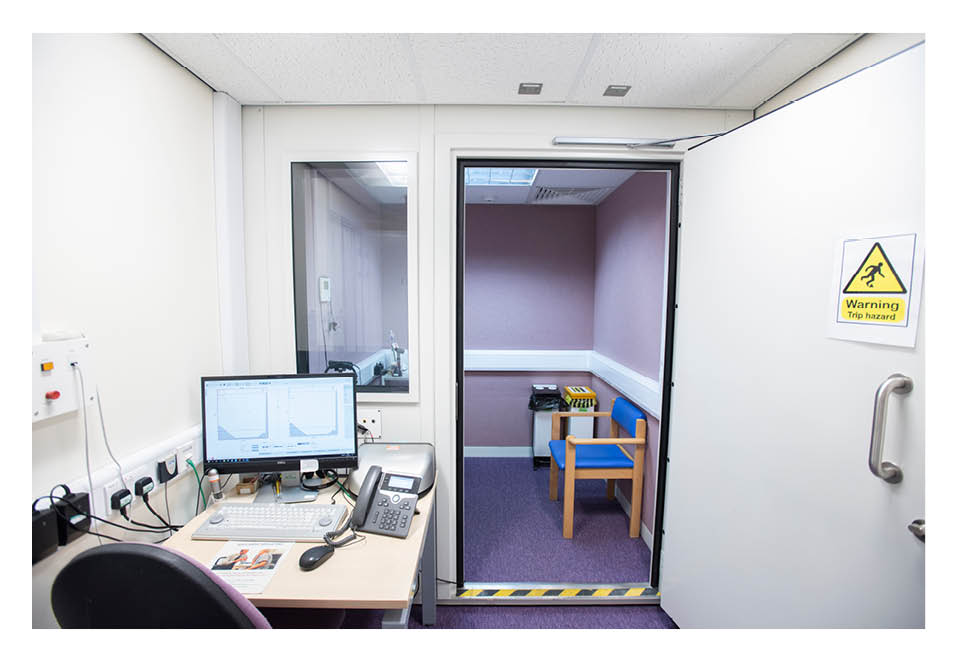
{"x": 92, "y": 516}
{"x": 169, "y": 526}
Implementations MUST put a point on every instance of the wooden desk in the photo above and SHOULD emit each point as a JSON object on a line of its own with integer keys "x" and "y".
{"x": 378, "y": 572}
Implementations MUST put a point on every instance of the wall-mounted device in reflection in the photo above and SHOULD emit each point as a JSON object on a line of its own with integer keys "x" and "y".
{"x": 325, "y": 289}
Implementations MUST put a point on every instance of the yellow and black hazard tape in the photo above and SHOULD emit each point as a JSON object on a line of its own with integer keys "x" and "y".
{"x": 559, "y": 592}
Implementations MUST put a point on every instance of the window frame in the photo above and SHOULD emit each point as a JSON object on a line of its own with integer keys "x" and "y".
{"x": 412, "y": 256}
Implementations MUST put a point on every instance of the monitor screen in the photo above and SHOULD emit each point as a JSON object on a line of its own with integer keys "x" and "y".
{"x": 257, "y": 424}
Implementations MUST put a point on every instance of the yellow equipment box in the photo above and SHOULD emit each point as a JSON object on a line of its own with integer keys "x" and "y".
{"x": 580, "y": 397}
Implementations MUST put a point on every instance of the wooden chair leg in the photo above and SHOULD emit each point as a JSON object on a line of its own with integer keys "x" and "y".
{"x": 610, "y": 488}
{"x": 568, "y": 513}
{"x": 553, "y": 480}
{"x": 634, "y": 524}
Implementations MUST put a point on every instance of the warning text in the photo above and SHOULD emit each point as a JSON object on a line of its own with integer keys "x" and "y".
{"x": 888, "y": 310}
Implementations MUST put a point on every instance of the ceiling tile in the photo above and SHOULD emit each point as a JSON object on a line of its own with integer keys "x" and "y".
{"x": 330, "y": 68}
{"x": 731, "y": 71}
{"x": 670, "y": 70}
{"x": 794, "y": 57}
{"x": 487, "y": 68}
{"x": 208, "y": 58}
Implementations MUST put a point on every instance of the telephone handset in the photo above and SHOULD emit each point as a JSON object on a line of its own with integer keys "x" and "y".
{"x": 366, "y": 493}
{"x": 386, "y": 503}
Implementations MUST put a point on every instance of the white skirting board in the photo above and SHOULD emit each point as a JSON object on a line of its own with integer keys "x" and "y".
{"x": 144, "y": 460}
{"x": 640, "y": 389}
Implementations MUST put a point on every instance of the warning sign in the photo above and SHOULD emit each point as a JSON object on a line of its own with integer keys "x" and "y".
{"x": 876, "y": 285}
{"x": 875, "y": 275}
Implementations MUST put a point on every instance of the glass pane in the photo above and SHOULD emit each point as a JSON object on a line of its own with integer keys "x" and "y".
{"x": 350, "y": 263}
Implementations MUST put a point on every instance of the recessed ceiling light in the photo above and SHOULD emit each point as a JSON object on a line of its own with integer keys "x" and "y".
{"x": 616, "y": 90}
{"x": 529, "y": 88}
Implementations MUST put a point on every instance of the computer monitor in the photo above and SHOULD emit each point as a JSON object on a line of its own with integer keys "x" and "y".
{"x": 269, "y": 424}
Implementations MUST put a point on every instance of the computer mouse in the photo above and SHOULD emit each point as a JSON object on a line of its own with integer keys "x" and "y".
{"x": 312, "y": 558}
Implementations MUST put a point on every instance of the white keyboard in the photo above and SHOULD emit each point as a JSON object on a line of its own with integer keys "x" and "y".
{"x": 272, "y": 522}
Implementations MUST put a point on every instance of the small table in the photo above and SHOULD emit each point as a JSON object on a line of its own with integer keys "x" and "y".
{"x": 377, "y": 572}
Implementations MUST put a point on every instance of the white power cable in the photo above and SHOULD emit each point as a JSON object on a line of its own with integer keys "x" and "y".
{"x": 86, "y": 447}
{"x": 106, "y": 441}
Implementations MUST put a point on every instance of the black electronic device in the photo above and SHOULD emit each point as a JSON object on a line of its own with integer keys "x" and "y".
{"x": 277, "y": 423}
{"x": 315, "y": 556}
{"x": 386, "y": 503}
{"x": 45, "y": 538}
{"x": 167, "y": 469}
{"x": 72, "y": 512}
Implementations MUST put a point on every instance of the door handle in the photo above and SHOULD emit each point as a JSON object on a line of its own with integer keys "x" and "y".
{"x": 917, "y": 526}
{"x": 884, "y": 469}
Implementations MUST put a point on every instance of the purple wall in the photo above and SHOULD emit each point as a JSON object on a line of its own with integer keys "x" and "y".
{"x": 629, "y": 272}
{"x": 529, "y": 276}
{"x": 564, "y": 277}
{"x": 496, "y": 405}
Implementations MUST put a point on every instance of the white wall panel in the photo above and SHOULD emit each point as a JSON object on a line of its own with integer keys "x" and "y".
{"x": 438, "y": 135}
{"x": 124, "y": 249}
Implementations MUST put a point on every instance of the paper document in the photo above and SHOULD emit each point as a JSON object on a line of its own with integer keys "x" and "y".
{"x": 249, "y": 566}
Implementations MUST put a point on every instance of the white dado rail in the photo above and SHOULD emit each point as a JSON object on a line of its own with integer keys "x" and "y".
{"x": 640, "y": 389}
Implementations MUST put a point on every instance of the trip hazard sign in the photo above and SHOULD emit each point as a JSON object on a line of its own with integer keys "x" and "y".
{"x": 877, "y": 289}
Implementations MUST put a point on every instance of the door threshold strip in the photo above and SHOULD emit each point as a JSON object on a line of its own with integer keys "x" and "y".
{"x": 519, "y": 594}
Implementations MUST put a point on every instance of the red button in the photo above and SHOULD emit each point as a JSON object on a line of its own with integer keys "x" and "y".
{"x": 53, "y": 394}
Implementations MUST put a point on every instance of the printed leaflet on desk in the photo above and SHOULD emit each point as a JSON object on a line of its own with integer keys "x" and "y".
{"x": 249, "y": 566}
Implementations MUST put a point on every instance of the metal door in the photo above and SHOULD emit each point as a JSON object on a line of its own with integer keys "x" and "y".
{"x": 773, "y": 516}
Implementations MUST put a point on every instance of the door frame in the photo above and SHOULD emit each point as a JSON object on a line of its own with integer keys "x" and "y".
{"x": 674, "y": 168}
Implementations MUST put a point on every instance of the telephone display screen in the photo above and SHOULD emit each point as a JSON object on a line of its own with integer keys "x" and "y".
{"x": 400, "y": 482}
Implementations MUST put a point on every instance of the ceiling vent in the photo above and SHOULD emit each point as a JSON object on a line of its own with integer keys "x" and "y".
{"x": 552, "y": 195}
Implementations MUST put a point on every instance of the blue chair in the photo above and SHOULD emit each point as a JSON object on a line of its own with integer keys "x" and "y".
{"x": 600, "y": 458}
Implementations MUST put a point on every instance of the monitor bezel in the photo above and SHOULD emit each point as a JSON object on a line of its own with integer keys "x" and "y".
{"x": 279, "y": 464}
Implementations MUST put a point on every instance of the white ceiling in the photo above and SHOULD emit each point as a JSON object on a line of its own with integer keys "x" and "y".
{"x": 564, "y": 186}
{"x": 729, "y": 71}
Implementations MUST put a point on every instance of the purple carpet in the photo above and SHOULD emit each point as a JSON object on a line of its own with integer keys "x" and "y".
{"x": 513, "y": 532}
{"x": 526, "y": 617}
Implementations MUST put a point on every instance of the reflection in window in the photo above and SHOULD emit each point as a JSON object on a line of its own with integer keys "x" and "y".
{"x": 350, "y": 247}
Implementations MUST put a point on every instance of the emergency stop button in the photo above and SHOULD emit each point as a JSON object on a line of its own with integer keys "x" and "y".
{"x": 53, "y": 394}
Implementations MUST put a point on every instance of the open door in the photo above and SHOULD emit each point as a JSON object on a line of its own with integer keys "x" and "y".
{"x": 772, "y": 517}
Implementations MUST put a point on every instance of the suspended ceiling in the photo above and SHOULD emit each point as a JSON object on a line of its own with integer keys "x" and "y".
{"x": 547, "y": 186}
{"x": 725, "y": 71}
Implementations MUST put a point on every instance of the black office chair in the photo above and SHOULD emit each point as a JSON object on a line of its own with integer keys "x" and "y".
{"x": 133, "y": 585}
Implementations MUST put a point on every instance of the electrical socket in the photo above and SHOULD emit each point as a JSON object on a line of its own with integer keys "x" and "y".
{"x": 371, "y": 419}
{"x": 108, "y": 491}
{"x": 184, "y": 453}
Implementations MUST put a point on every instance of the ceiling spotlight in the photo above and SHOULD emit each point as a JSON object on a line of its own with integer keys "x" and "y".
{"x": 616, "y": 90}
{"x": 529, "y": 88}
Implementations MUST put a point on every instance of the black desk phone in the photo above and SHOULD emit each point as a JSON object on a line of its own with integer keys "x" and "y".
{"x": 386, "y": 503}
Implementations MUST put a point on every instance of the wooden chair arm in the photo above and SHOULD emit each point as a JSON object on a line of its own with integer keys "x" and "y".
{"x": 558, "y": 415}
{"x": 605, "y": 441}
{"x": 592, "y": 414}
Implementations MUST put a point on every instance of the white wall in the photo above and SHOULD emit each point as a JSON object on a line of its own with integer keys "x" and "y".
{"x": 868, "y": 50}
{"x": 124, "y": 249}
{"x": 274, "y": 136}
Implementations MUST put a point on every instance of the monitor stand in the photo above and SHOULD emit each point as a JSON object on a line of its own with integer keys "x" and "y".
{"x": 288, "y": 494}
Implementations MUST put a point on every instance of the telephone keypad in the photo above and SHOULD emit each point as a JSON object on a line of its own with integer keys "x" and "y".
{"x": 392, "y": 505}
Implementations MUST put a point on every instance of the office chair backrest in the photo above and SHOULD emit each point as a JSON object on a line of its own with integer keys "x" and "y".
{"x": 626, "y": 415}
{"x": 133, "y": 585}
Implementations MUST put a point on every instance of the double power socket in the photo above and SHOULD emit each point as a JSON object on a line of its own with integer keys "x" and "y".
{"x": 371, "y": 419}
{"x": 182, "y": 453}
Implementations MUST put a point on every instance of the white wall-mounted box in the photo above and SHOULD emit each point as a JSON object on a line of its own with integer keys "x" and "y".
{"x": 56, "y": 383}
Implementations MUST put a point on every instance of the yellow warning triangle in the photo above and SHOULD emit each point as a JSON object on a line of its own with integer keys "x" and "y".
{"x": 875, "y": 275}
